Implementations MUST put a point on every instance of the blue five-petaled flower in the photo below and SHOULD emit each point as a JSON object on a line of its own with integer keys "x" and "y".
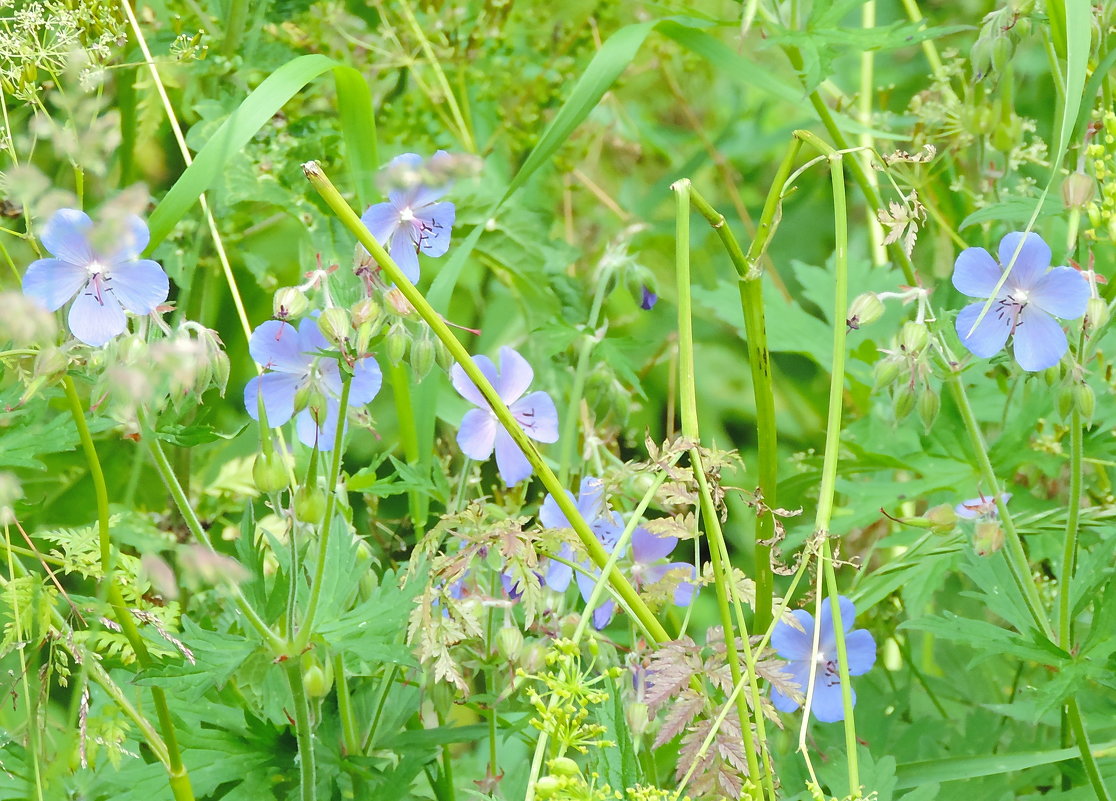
{"x": 480, "y": 432}
{"x": 1026, "y": 304}
{"x": 647, "y": 550}
{"x": 412, "y": 219}
{"x": 797, "y": 647}
{"x": 107, "y": 283}
{"x": 295, "y": 361}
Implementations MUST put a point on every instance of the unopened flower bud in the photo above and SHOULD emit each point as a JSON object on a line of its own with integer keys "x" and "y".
{"x": 289, "y": 302}
{"x": 913, "y": 337}
{"x": 638, "y": 718}
{"x": 1052, "y": 375}
{"x": 317, "y": 404}
{"x": 50, "y": 364}
{"x": 396, "y": 343}
{"x": 1065, "y": 401}
{"x": 865, "y": 309}
{"x": 1084, "y": 400}
{"x": 1078, "y": 190}
{"x": 568, "y": 625}
{"x": 423, "y": 352}
{"x": 1096, "y": 315}
{"x": 928, "y": 406}
{"x": 942, "y": 517}
{"x": 509, "y": 641}
{"x": 335, "y": 325}
{"x": 397, "y": 303}
{"x": 317, "y": 679}
{"x": 221, "y": 371}
{"x": 989, "y": 537}
{"x": 269, "y": 472}
{"x": 364, "y": 311}
{"x": 642, "y": 286}
{"x": 564, "y": 766}
{"x": 442, "y": 355}
{"x": 534, "y": 657}
{"x": 309, "y": 505}
{"x": 904, "y": 401}
{"x": 547, "y": 787}
{"x": 980, "y": 57}
{"x": 1002, "y": 50}
{"x": 443, "y": 695}
{"x": 885, "y": 372}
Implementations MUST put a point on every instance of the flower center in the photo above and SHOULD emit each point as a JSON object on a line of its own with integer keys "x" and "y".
{"x": 1009, "y": 309}
{"x": 407, "y": 215}
{"x": 96, "y": 268}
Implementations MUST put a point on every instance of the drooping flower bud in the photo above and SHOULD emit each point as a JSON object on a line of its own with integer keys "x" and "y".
{"x": 335, "y": 325}
{"x": 1078, "y": 190}
{"x": 913, "y": 337}
{"x": 1084, "y": 400}
{"x": 396, "y": 343}
{"x": 309, "y": 505}
{"x": 989, "y": 537}
{"x": 942, "y": 517}
{"x": 509, "y": 642}
{"x": 423, "y": 352}
{"x": 364, "y": 311}
{"x": 397, "y": 303}
{"x": 885, "y": 372}
{"x": 289, "y": 302}
{"x": 269, "y": 472}
{"x": 1096, "y": 315}
{"x": 929, "y": 405}
{"x": 904, "y": 401}
{"x": 865, "y": 309}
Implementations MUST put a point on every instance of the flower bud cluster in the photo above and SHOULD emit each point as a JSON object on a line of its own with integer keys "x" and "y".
{"x": 906, "y": 370}
{"x": 1100, "y": 157}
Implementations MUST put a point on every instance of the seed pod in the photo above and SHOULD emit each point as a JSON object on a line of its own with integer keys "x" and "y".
{"x": 1096, "y": 315}
{"x": 885, "y": 371}
{"x": 904, "y": 401}
{"x": 929, "y": 404}
{"x": 564, "y": 766}
{"x": 942, "y": 517}
{"x": 1084, "y": 400}
{"x": 269, "y": 472}
{"x": 289, "y": 302}
{"x": 1078, "y": 190}
{"x": 335, "y": 325}
{"x": 509, "y": 642}
{"x": 364, "y": 311}
{"x": 309, "y": 505}
{"x": 396, "y": 343}
{"x": 423, "y": 353}
{"x": 865, "y": 309}
{"x": 989, "y": 537}
{"x": 1065, "y": 401}
{"x": 913, "y": 337}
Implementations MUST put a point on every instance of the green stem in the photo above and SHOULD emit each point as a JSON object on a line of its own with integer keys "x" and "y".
{"x": 234, "y": 27}
{"x": 307, "y": 629}
{"x": 1073, "y": 516}
{"x": 688, "y": 407}
{"x": 350, "y": 736}
{"x": 550, "y": 481}
{"x": 304, "y": 733}
{"x": 1077, "y": 723}
{"x": 408, "y": 433}
{"x": 179, "y": 778}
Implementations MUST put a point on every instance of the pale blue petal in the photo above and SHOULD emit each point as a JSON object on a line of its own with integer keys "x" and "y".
{"x": 590, "y": 498}
{"x": 1032, "y": 262}
{"x": 975, "y": 273}
{"x": 1063, "y": 292}
{"x": 647, "y": 548}
{"x": 827, "y": 703}
{"x": 366, "y": 382}
{"x": 140, "y": 286}
{"x": 275, "y": 345}
{"x": 860, "y": 647}
{"x": 989, "y": 337}
{"x": 309, "y": 432}
{"x": 792, "y": 644}
{"x": 782, "y": 702}
{"x": 848, "y": 612}
{"x": 278, "y": 393}
{"x": 602, "y": 615}
{"x": 52, "y": 282}
{"x": 404, "y": 255}
{"x": 66, "y": 235}
{"x": 551, "y": 516}
{"x": 477, "y": 434}
{"x": 558, "y": 574}
{"x": 510, "y": 461}
{"x": 515, "y": 375}
{"x": 133, "y": 240}
{"x": 465, "y": 386}
{"x": 96, "y": 320}
{"x": 436, "y": 224}
{"x": 1039, "y": 341}
{"x": 537, "y": 415}
{"x": 381, "y": 220}
{"x": 311, "y": 340}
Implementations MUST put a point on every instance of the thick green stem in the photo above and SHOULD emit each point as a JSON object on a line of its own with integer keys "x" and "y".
{"x": 1073, "y": 517}
{"x": 408, "y": 433}
{"x": 588, "y": 539}
{"x": 304, "y": 732}
{"x": 307, "y": 629}
{"x": 235, "y": 24}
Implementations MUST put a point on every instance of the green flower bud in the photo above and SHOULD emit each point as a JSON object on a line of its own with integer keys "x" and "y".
{"x": 335, "y": 325}
{"x": 396, "y": 342}
{"x": 1052, "y": 375}
{"x": 221, "y": 371}
{"x": 443, "y": 694}
{"x": 942, "y": 517}
{"x": 547, "y": 787}
{"x": 913, "y": 337}
{"x": 865, "y": 309}
{"x": 289, "y": 302}
{"x": 1096, "y": 315}
{"x": 364, "y": 311}
{"x": 904, "y": 401}
{"x": 50, "y": 364}
{"x": 309, "y": 505}
{"x": 1085, "y": 401}
{"x": 980, "y": 57}
{"x": 885, "y": 371}
{"x": 989, "y": 537}
{"x": 509, "y": 642}
{"x": 1078, "y": 190}
{"x": 442, "y": 355}
{"x": 423, "y": 352}
{"x": 397, "y": 304}
{"x": 1065, "y": 401}
{"x": 269, "y": 472}
{"x": 317, "y": 679}
{"x": 563, "y": 766}
{"x": 638, "y": 718}
{"x": 928, "y": 406}
{"x": 1002, "y": 50}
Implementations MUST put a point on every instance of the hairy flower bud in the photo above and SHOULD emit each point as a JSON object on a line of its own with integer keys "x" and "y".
{"x": 269, "y": 472}
{"x": 423, "y": 352}
{"x": 942, "y": 517}
{"x": 865, "y": 309}
{"x": 904, "y": 401}
{"x": 509, "y": 642}
{"x": 309, "y": 505}
{"x": 335, "y": 325}
{"x": 929, "y": 405}
{"x": 1084, "y": 400}
{"x": 1096, "y": 315}
{"x": 885, "y": 371}
{"x": 317, "y": 678}
{"x": 364, "y": 311}
{"x": 396, "y": 343}
{"x": 1052, "y": 375}
{"x": 913, "y": 337}
{"x": 289, "y": 302}
{"x": 397, "y": 303}
{"x": 1065, "y": 401}
{"x": 989, "y": 537}
{"x": 1078, "y": 190}
{"x": 638, "y": 718}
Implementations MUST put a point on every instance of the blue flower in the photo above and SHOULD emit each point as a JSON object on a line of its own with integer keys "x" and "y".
{"x": 1026, "y": 304}
{"x": 797, "y": 648}
{"x": 480, "y": 432}
{"x": 981, "y": 508}
{"x": 107, "y": 282}
{"x": 647, "y": 551}
{"x": 412, "y": 220}
{"x": 648, "y": 298}
{"x": 298, "y": 369}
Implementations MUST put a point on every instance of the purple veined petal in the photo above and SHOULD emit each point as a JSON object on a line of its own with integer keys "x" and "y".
{"x": 792, "y": 644}
{"x": 860, "y": 648}
{"x": 975, "y": 273}
{"x": 558, "y": 574}
{"x": 366, "y": 383}
{"x": 96, "y": 316}
{"x": 537, "y": 415}
{"x": 477, "y": 434}
{"x": 278, "y": 393}
{"x": 646, "y": 547}
{"x": 782, "y": 702}
{"x": 133, "y": 238}
{"x": 52, "y": 282}
{"x": 1039, "y": 341}
{"x": 1063, "y": 292}
{"x": 403, "y": 253}
{"x": 381, "y": 220}
{"x": 510, "y": 461}
{"x": 608, "y": 529}
{"x": 330, "y": 374}
{"x": 686, "y": 590}
{"x": 309, "y": 432}
{"x": 827, "y": 704}
{"x": 602, "y": 615}
{"x": 311, "y": 340}
{"x": 989, "y": 337}
{"x": 275, "y": 345}
{"x": 511, "y": 586}
{"x": 551, "y": 516}
{"x": 983, "y": 506}
{"x": 1033, "y": 259}
{"x": 590, "y": 498}
{"x": 140, "y": 286}
{"x": 434, "y": 229}
{"x": 465, "y": 386}
{"x": 66, "y": 236}
{"x": 515, "y": 375}
{"x": 828, "y": 624}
